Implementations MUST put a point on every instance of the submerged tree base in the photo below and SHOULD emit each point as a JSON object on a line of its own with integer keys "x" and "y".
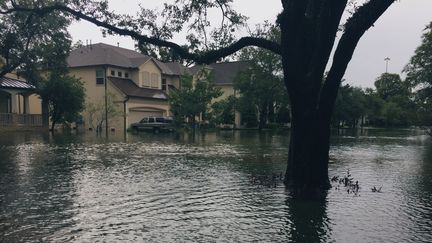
{"x": 307, "y": 192}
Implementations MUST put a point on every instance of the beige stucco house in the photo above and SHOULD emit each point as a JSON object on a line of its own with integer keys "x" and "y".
{"x": 223, "y": 74}
{"x": 138, "y": 84}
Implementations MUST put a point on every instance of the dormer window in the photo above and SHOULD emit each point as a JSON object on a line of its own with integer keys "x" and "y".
{"x": 112, "y": 73}
{"x": 126, "y": 75}
{"x": 120, "y": 74}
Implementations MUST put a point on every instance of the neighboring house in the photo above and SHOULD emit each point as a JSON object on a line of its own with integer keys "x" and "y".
{"x": 139, "y": 83}
{"x": 20, "y": 107}
{"x": 223, "y": 74}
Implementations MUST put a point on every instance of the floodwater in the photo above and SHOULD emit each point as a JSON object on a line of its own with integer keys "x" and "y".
{"x": 201, "y": 188}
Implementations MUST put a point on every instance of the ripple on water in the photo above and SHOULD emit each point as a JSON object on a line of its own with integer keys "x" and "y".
{"x": 168, "y": 192}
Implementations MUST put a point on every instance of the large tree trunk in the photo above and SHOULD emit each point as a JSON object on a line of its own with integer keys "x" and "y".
{"x": 45, "y": 113}
{"x": 307, "y": 170}
{"x": 308, "y": 31}
{"x": 262, "y": 116}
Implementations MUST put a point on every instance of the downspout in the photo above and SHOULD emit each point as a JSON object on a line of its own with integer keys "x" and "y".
{"x": 125, "y": 115}
{"x": 106, "y": 101}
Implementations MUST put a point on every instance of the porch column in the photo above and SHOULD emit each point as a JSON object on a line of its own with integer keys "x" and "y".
{"x": 26, "y": 104}
{"x": 14, "y": 102}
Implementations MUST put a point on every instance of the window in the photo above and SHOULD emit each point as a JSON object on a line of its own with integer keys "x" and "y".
{"x": 120, "y": 74}
{"x": 151, "y": 119}
{"x": 164, "y": 84}
{"x": 100, "y": 77}
{"x": 112, "y": 73}
{"x": 154, "y": 80}
{"x": 146, "y": 79}
{"x": 126, "y": 75}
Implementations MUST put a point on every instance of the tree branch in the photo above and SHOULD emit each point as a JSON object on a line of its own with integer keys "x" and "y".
{"x": 203, "y": 57}
{"x": 355, "y": 27}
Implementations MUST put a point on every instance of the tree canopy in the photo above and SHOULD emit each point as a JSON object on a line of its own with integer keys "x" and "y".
{"x": 261, "y": 85}
{"x": 193, "y": 98}
{"x": 30, "y": 40}
{"x": 65, "y": 96}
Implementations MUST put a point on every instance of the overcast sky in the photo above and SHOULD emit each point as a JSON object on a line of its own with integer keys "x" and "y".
{"x": 396, "y": 34}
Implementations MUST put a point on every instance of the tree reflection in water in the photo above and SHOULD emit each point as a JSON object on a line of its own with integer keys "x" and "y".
{"x": 307, "y": 219}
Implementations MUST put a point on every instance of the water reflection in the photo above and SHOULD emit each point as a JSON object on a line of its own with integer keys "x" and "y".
{"x": 308, "y": 220}
{"x": 36, "y": 192}
{"x": 183, "y": 187}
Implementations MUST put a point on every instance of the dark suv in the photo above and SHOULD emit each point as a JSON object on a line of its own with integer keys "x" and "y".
{"x": 155, "y": 124}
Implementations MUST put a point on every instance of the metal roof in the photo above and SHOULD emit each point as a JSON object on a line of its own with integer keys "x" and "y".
{"x": 11, "y": 83}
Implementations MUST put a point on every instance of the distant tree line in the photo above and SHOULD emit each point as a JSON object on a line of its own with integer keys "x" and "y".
{"x": 394, "y": 101}
{"x": 263, "y": 102}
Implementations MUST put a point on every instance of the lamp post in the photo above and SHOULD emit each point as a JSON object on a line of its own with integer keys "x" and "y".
{"x": 387, "y": 59}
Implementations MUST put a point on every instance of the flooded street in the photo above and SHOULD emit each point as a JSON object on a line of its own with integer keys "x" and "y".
{"x": 183, "y": 187}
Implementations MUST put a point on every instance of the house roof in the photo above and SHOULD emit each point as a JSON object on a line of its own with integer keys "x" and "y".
{"x": 177, "y": 68}
{"x": 11, "y": 83}
{"x": 103, "y": 54}
{"x": 129, "y": 88}
{"x": 224, "y": 72}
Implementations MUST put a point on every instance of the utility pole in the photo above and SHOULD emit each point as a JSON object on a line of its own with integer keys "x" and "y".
{"x": 387, "y": 59}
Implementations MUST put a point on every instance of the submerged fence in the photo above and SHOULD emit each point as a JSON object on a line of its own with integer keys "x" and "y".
{"x": 29, "y": 120}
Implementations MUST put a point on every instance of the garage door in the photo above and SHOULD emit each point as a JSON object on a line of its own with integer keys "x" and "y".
{"x": 136, "y": 116}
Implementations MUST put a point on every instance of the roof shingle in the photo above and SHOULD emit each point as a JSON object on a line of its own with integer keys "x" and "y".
{"x": 103, "y": 54}
{"x": 224, "y": 72}
{"x": 129, "y": 88}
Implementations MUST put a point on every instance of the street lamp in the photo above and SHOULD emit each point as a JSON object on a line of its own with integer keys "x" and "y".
{"x": 387, "y": 59}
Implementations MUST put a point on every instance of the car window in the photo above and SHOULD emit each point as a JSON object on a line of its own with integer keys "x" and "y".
{"x": 160, "y": 119}
{"x": 151, "y": 119}
{"x": 144, "y": 120}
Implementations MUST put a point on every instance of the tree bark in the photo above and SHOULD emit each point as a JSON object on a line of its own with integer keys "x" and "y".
{"x": 53, "y": 125}
{"x": 45, "y": 113}
{"x": 307, "y": 169}
{"x": 263, "y": 116}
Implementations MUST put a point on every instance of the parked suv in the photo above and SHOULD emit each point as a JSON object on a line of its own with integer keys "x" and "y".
{"x": 155, "y": 124}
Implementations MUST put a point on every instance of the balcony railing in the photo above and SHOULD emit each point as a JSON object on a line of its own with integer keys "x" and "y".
{"x": 28, "y": 120}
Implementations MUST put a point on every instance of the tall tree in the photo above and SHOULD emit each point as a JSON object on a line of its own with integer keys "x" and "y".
{"x": 308, "y": 33}
{"x": 65, "y": 96}
{"x": 398, "y": 108}
{"x": 193, "y": 98}
{"x": 419, "y": 76}
{"x": 389, "y": 85}
{"x": 29, "y": 41}
{"x": 262, "y": 83}
{"x": 350, "y": 106}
